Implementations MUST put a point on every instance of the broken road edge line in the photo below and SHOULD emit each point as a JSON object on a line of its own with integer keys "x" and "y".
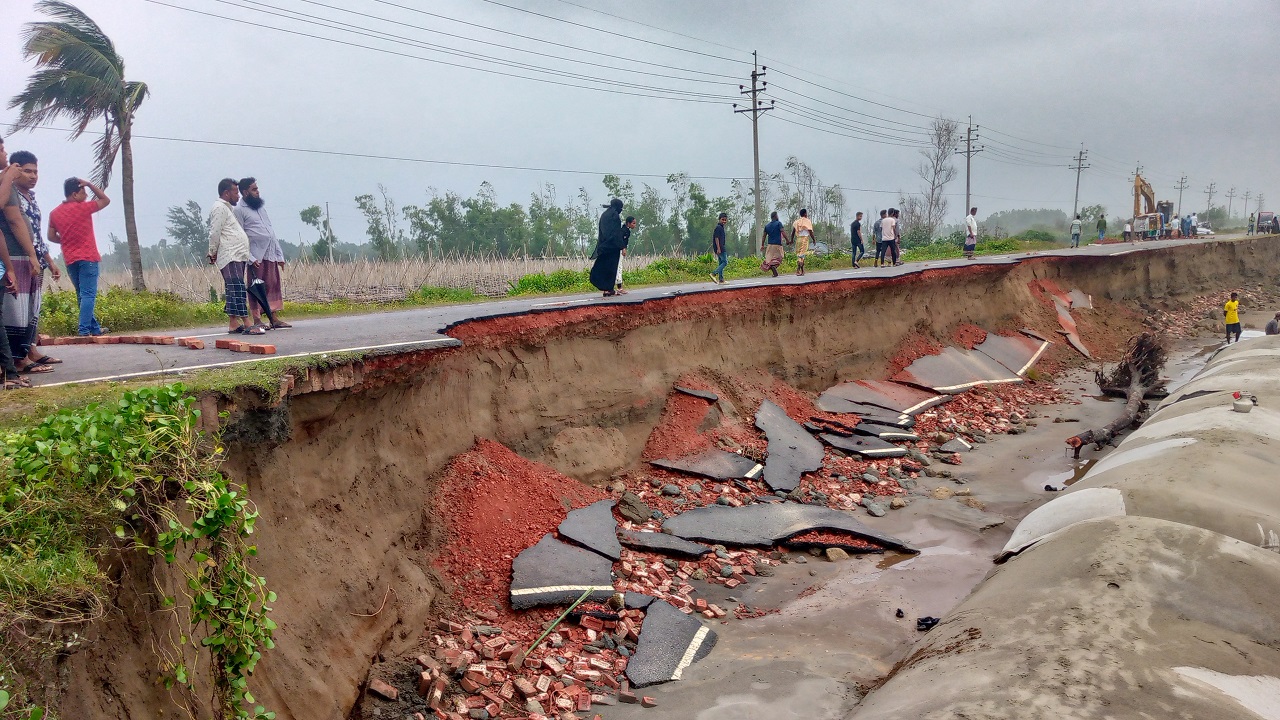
{"x": 690, "y": 652}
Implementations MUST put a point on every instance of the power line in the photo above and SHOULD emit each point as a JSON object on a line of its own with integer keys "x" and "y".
{"x": 870, "y": 136}
{"x": 783, "y": 118}
{"x": 654, "y": 94}
{"x": 918, "y": 129}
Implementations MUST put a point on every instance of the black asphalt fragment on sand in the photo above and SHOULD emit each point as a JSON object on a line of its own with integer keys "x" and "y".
{"x": 888, "y": 395}
{"x": 670, "y": 642}
{"x": 662, "y": 543}
{"x": 713, "y": 463}
{"x": 865, "y": 413}
{"x": 637, "y": 601}
{"x": 864, "y": 445}
{"x": 704, "y": 394}
{"x": 555, "y": 573}
{"x": 792, "y": 450}
{"x": 765, "y": 525}
{"x": 884, "y": 432}
{"x": 594, "y": 528}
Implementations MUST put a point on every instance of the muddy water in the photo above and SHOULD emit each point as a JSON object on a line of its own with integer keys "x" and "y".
{"x": 836, "y": 630}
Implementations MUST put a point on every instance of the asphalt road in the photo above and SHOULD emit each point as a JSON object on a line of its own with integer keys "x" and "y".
{"x": 407, "y": 330}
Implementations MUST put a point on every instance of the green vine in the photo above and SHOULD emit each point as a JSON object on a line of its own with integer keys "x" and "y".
{"x": 136, "y": 474}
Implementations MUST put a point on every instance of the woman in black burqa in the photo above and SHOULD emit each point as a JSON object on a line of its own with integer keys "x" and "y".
{"x": 608, "y": 252}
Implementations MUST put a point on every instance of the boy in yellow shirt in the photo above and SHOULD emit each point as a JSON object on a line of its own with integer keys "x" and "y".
{"x": 1231, "y": 316}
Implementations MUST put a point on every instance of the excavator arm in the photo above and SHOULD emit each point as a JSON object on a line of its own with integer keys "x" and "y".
{"x": 1144, "y": 197}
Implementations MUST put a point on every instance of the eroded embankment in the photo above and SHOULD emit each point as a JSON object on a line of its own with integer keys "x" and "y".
{"x": 344, "y": 476}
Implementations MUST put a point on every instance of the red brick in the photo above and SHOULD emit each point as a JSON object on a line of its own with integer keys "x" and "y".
{"x": 165, "y": 340}
{"x": 128, "y": 340}
{"x": 524, "y": 687}
{"x": 424, "y": 684}
{"x": 647, "y": 701}
{"x": 101, "y": 340}
{"x": 491, "y": 696}
{"x": 262, "y": 349}
{"x": 445, "y": 625}
{"x": 478, "y": 677}
{"x": 592, "y": 623}
{"x": 225, "y": 344}
{"x": 468, "y": 684}
{"x": 628, "y": 697}
{"x": 508, "y": 690}
{"x": 496, "y": 642}
{"x": 382, "y": 689}
{"x": 584, "y": 702}
{"x": 555, "y": 667}
{"x": 543, "y": 683}
{"x": 240, "y": 346}
{"x": 493, "y": 709}
{"x": 195, "y": 344}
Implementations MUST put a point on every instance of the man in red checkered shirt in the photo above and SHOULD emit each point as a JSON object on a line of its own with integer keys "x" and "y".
{"x": 71, "y": 225}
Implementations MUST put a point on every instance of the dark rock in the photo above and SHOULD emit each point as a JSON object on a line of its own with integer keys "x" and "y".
{"x": 633, "y": 508}
{"x": 671, "y": 490}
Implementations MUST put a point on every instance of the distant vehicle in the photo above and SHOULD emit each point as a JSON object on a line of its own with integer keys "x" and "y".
{"x": 1267, "y": 222}
{"x": 1204, "y": 229}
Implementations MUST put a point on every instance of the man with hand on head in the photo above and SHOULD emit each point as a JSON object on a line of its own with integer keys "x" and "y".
{"x": 264, "y": 247}
{"x": 71, "y": 226}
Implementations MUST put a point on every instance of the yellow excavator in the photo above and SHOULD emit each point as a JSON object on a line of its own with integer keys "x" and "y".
{"x": 1147, "y": 220}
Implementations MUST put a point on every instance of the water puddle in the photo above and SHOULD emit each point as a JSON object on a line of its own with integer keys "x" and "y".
{"x": 892, "y": 558}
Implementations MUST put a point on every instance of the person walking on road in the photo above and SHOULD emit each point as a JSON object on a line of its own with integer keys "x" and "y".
{"x": 1102, "y": 227}
{"x": 25, "y": 182}
{"x": 802, "y": 234}
{"x": 720, "y": 249}
{"x": 267, "y": 256}
{"x": 1231, "y": 317}
{"x": 1252, "y": 220}
{"x": 877, "y": 230}
{"x": 71, "y": 226}
{"x": 229, "y": 250}
{"x": 855, "y": 238}
{"x": 1273, "y": 325}
{"x": 892, "y": 231}
{"x": 771, "y": 244}
{"x": 608, "y": 252}
{"x": 971, "y": 233}
{"x": 627, "y": 226}
{"x": 1076, "y": 226}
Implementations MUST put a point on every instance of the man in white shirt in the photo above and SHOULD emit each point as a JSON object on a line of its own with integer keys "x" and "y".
{"x": 889, "y": 228}
{"x": 229, "y": 250}
{"x": 971, "y": 233}
{"x": 1075, "y": 232}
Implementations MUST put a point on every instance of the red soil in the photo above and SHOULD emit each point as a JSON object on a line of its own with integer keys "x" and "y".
{"x": 676, "y": 434}
{"x": 968, "y": 335}
{"x": 912, "y": 348}
{"x": 494, "y": 504}
{"x": 827, "y": 537}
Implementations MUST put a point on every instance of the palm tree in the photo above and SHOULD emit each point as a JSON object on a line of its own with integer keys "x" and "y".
{"x": 80, "y": 76}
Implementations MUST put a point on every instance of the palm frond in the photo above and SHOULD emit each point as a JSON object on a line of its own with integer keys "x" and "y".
{"x": 104, "y": 151}
{"x": 52, "y": 93}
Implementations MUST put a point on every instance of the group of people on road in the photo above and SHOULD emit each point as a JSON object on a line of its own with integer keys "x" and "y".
{"x": 247, "y": 253}
{"x": 611, "y": 245}
{"x": 886, "y": 231}
{"x": 24, "y": 257}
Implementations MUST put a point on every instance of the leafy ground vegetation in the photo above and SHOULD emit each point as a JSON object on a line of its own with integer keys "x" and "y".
{"x": 130, "y": 475}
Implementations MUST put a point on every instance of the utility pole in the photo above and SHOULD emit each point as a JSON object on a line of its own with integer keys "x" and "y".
{"x": 1078, "y": 167}
{"x": 1247, "y": 194}
{"x": 328, "y": 233}
{"x": 756, "y": 109}
{"x": 1182, "y": 185}
{"x": 1231, "y": 194}
{"x": 968, "y": 152}
{"x": 1211, "y": 191}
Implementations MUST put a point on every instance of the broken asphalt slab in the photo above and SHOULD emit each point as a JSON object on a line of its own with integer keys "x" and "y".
{"x": 888, "y": 395}
{"x": 704, "y": 394}
{"x": 792, "y": 450}
{"x": 713, "y": 463}
{"x": 864, "y": 445}
{"x": 868, "y": 413}
{"x": 884, "y": 432}
{"x": 594, "y": 528}
{"x": 556, "y": 573}
{"x": 670, "y": 641}
{"x": 1016, "y": 352}
{"x": 662, "y": 543}
{"x": 1069, "y": 329}
{"x": 954, "y": 371}
{"x": 765, "y": 525}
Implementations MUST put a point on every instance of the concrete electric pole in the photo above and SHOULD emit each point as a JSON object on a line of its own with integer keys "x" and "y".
{"x": 1211, "y": 191}
{"x": 1247, "y": 194}
{"x": 756, "y": 109}
{"x": 968, "y": 152}
{"x": 1078, "y": 167}
{"x": 1231, "y": 194}
{"x": 1182, "y": 185}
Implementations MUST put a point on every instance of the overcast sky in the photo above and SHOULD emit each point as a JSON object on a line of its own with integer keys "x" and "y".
{"x": 1182, "y": 86}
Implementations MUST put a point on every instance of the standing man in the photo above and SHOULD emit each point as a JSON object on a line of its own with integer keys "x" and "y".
{"x": 855, "y": 237}
{"x": 801, "y": 234}
{"x": 26, "y": 184}
{"x": 1195, "y": 224}
{"x": 1076, "y": 226}
{"x": 229, "y": 250}
{"x": 720, "y": 249}
{"x": 264, "y": 247}
{"x": 71, "y": 226}
{"x": 1231, "y": 317}
{"x": 771, "y": 244}
{"x": 1102, "y": 227}
{"x": 16, "y": 247}
{"x": 1251, "y": 222}
{"x": 971, "y": 233}
{"x": 889, "y": 228}
{"x": 608, "y": 252}
{"x": 877, "y": 230}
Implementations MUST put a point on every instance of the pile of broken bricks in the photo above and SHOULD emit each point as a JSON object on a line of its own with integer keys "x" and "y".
{"x": 190, "y": 343}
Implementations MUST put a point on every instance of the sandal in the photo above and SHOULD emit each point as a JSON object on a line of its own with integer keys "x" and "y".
{"x": 255, "y": 330}
{"x": 281, "y": 324}
{"x": 35, "y": 368}
{"x": 46, "y": 360}
{"x": 240, "y": 330}
{"x": 17, "y": 383}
